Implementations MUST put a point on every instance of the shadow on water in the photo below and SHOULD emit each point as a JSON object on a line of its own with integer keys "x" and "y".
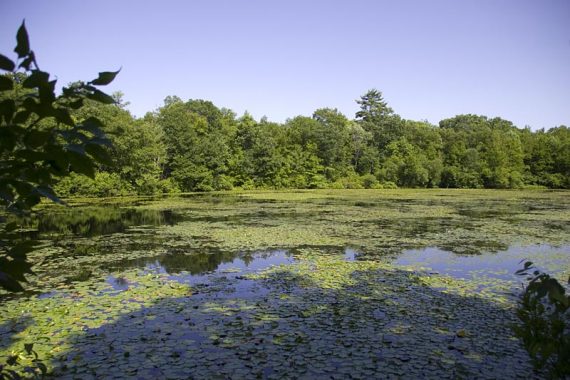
{"x": 381, "y": 324}
{"x": 10, "y": 329}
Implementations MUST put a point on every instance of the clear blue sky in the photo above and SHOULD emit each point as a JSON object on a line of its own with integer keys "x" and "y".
{"x": 431, "y": 59}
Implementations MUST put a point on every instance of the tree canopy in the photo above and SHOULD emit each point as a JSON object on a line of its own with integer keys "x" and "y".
{"x": 194, "y": 145}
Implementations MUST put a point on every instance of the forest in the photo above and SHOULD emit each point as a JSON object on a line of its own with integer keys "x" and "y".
{"x": 194, "y": 145}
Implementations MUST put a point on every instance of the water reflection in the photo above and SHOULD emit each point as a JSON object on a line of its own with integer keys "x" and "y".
{"x": 236, "y": 267}
{"x": 500, "y": 266}
{"x": 185, "y": 266}
{"x": 118, "y": 283}
{"x": 96, "y": 221}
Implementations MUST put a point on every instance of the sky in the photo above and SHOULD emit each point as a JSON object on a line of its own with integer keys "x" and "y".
{"x": 431, "y": 59}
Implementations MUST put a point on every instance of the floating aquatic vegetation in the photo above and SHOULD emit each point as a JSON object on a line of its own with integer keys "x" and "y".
{"x": 287, "y": 285}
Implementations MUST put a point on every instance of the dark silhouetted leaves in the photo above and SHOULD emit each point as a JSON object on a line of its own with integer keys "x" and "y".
{"x": 6, "y": 63}
{"x": 544, "y": 317}
{"x": 94, "y": 126}
{"x": 99, "y": 153}
{"x": 6, "y": 83}
{"x": 81, "y": 164}
{"x": 36, "y": 79}
{"x": 105, "y": 78}
{"x": 48, "y": 193}
{"x": 101, "y": 97}
{"x": 23, "y": 44}
{"x": 7, "y": 109}
{"x": 37, "y": 138}
{"x": 39, "y": 144}
{"x": 27, "y": 63}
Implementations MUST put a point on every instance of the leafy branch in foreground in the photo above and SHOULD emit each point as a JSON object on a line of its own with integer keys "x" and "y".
{"x": 544, "y": 311}
{"x": 40, "y": 143}
{"x": 27, "y": 361}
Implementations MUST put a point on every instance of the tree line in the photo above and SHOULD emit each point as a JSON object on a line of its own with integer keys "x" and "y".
{"x": 195, "y": 146}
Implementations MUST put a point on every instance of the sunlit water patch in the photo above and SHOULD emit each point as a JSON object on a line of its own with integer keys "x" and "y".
{"x": 495, "y": 266}
{"x": 350, "y": 254}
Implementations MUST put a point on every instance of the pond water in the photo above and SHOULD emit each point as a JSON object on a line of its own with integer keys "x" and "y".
{"x": 285, "y": 284}
{"x": 99, "y": 241}
{"x": 237, "y": 266}
{"x": 497, "y": 265}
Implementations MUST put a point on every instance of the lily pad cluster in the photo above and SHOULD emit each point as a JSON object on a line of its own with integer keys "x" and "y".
{"x": 160, "y": 297}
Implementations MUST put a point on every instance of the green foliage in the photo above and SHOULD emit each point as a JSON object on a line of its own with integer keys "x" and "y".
{"x": 197, "y": 137}
{"x": 545, "y": 322}
{"x": 388, "y": 185}
{"x": 200, "y": 147}
{"x": 104, "y": 184}
{"x": 196, "y": 146}
{"x": 41, "y": 142}
{"x": 369, "y": 181}
{"x": 25, "y": 360}
{"x": 209, "y": 149}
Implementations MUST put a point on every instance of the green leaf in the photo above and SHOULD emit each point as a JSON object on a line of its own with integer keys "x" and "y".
{"x": 42, "y": 367}
{"x": 101, "y": 141}
{"x": 32, "y": 200}
{"x": 6, "y": 63}
{"x": 99, "y": 153}
{"x": 48, "y": 193}
{"x": 105, "y": 78}
{"x": 101, "y": 97}
{"x": 79, "y": 149}
{"x": 12, "y": 359}
{"x": 29, "y": 347}
{"x": 58, "y": 158}
{"x": 8, "y": 138}
{"x": 7, "y": 109}
{"x": 62, "y": 115}
{"x": 31, "y": 156}
{"x": 30, "y": 104}
{"x": 22, "y": 116}
{"x": 36, "y": 79}
{"x": 23, "y": 43}
{"x": 47, "y": 94}
{"x": 26, "y": 63}
{"x": 6, "y": 83}
{"x": 77, "y": 104}
{"x": 36, "y": 138}
{"x": 94, "y": 126}
{"x": 81, "y": 164}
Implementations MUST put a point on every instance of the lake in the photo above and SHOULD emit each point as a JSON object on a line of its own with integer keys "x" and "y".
{"x": 292, "y": 284}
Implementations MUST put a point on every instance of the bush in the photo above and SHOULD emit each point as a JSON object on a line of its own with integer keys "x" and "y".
{"x": 248, "y": 185}
{"x": 388, "y": 185}
{"x": 369, "y": 181}
{"x": 318, "y": 181}
{"x": 111, "y": 185}
{"x": 544, "y": 312}
{"x": 223, "y": 182}
{"x": 337, "y": 185}
{"x": 168, "y": 186}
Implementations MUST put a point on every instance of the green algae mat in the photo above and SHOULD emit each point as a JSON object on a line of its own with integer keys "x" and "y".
{"x": 305, "y": 284}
